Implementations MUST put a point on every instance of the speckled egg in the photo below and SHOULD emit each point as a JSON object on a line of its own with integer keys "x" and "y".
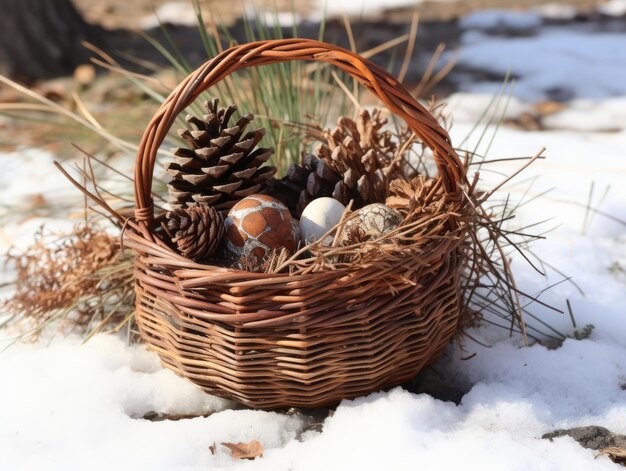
{"x": 371, "y": 222}
{"x": 320, "y": 216}
{"x": 258, "y": 224}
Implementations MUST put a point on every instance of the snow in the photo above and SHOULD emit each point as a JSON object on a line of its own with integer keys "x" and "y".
{"x": 173, "y": 13}
{"x": 38, "y": 165}
{"x": 501, "y": 20}
{"x": 613, "y": 8}
{"x": 272, "y": 19}
{"x": 399, "y": 430}
{"x": 556, "y": 62}
{"x": 67, "y": 406}
{"x": 591, "y": 115}
{"x": 75, "y": 407}
{"x": 556, "y": 11}
{"x": 71, "y": 405}
{"x": 365, "y": 8}
{"x": 574, "y": 160}
{"x": 469, "y": 107}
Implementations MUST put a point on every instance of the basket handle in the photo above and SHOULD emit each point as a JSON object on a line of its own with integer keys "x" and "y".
{"x": 377, "y": 80}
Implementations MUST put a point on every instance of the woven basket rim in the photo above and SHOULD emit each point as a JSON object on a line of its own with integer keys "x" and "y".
{"x": 134, "y": 239}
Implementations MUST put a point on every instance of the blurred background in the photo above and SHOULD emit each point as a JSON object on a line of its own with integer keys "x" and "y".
{"x": 556, "y": 52}
{"x": 41, "y": 40}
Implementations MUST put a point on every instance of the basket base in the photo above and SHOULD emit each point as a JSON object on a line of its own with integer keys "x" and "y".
{"x": 293, "y": 367}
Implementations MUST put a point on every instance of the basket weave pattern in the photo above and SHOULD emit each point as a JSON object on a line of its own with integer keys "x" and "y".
{"x": 312, "y": 338}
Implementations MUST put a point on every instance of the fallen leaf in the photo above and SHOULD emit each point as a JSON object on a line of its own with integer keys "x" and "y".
{"x": 549, "y": 107}
{"x": 245, "y": 451}
{"x": 617, "y": 454}
{"x": 212, "y": 448}
{"x": 85, "y": 74}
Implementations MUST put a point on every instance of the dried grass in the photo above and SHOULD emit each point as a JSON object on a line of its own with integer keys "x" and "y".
{"x": 83, "y": 277}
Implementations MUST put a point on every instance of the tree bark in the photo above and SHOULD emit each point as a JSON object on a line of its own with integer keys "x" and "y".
{"x": 41, "y": 39}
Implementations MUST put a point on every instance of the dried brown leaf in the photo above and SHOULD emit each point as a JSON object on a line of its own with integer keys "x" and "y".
{"x": 245, "y": 451}
{"x": 617, "y": 454}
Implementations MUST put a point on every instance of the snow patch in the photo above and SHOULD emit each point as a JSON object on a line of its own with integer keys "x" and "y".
{"x": 364, "y": 8}
{"x": 613, "y": 8}
{"x": 557, "y": 64}
{"x": 556, "y": 11}
{"x": 172, "y": 13}
{"x": 590, "y": 115}
{"x": 501, "y": 20}
{"x": 470, "y": 107}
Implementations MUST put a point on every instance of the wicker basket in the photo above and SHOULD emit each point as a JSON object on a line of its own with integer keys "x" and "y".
{"x": 314, "y": 338}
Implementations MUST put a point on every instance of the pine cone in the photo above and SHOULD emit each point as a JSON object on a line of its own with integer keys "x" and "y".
{"x": 364, "y": 155}
{"x": 303, "y": 183}
{"x": 407, "y": 195}
{"x": 195, "y": 231}
{"x": 220, "y": 167}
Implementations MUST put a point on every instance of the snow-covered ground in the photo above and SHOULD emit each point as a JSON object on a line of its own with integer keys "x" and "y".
{"x": 591, "y": 57}
{"x": 64, "y": 406}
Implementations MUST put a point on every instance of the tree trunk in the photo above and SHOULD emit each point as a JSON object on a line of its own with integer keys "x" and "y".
{"x": 41, "y": 39}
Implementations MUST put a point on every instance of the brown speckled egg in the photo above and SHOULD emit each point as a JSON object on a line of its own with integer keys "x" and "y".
{"x": 258, "y": 224}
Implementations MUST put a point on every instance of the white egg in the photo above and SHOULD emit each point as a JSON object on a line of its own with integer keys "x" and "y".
{"x": 320, "y": 216}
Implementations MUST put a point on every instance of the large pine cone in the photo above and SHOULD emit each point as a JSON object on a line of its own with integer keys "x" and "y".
{"x": 220, "y": 167}
{"x": 195, "y": 231}
{"x": 364, "y": 155}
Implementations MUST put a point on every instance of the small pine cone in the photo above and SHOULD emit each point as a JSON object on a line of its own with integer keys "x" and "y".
{"x": 195, "y": 231}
